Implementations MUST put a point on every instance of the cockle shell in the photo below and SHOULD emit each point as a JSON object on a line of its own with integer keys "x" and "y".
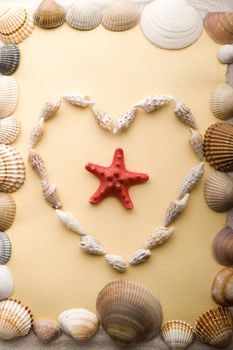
{"x": 49, "y": 14}
{"x": 177, "y": 334}
{"x": 37, "y": 133}
{"x": 140, "y": 4}
{"x": 37, "y": 164}
{"x": 171, "y": 25}
{"x": 175, "y": 209}
{"x": 128, "y": 312}
{"x": 218, "y": 191}
{"x": 140, "y": 256}
{"x": 6, "y": 282}
{"x": 151, "y": 103}
{"x": 104, "y": 119}
{"x": 159, "y": 236}
{"x": 9, "y": 59}
{"x": 46, "y": 331}
{"x": 77, "y": 99}
{"x": 80, "y": 324}
{"x": 196, "y": 142}
{"x": 15, "y": 319}
{"x": 7, "y": 211}
{"x": 221, "y": 101}
{"x": 50, "y": 194}
{"x": 91, "y": 245}
{"x": 225, "y": 54}
{"x": 183, "y": 113}
{"x": 117, "y": 262}
{"x": 12, "y": 169}
{"x": 125, "y": 120}
{"x": 9, "y": 130}
{"x": 222, "y": 246}
{"x": 9, "y": 95}
{"x": 219, "y": 26}
{"x": 222, "y": 287}
{"x": 191, "y": 179}
{"x": 102, "y": 4}
{"x": 214, "y": 327}
{"x": 70, "y": 221}
{"x": 50, "y": 109}
{"x": 5, "y": 248}
{"x": 120, "y": 15}
{"x": 84, "y": 15}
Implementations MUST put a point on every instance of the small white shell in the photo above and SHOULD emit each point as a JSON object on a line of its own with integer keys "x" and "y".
{"x": 37, "y": 133}
{"x": 37, "y": 164}
{"x": 184, "y": 113}
{"x": 70, "y": 221}
{"x": 191, "y": 179}
{"x": 196, "y": 142}
{"x": 102, "y": 118}
{"x": 91, "y": 245}
{"x": 226, "y": 54}
{"x": 151, "y": 103}
{"x": 84, "y": 15}
{"x": 50, "y": 194}
{"x": 77, "y": 99}
{"x": 177, "y": 334}
{"x": 125, "y": 120}
{"x": 140, "y": 256}
{"x": 117, "y": 262}
{"x": 6, "y": 282}
{"x": 160, "y": 235}
{"x": 50, "y": 109}
{"x": 175, "y": 209}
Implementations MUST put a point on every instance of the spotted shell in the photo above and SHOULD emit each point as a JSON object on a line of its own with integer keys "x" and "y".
{"x": 46, "y": 331}
{"x": 50, "y": 194}
{"x": 49, "y": 15}
{"x": 104, "y": 119}
{"x": 9, "y": 130}
{"x": 9, "y": 95}
{"x": 151, "y": 103}
{"x": 175, "y": 209}
{"x": 160, "y": 235}
{"x": 222, "y": 246}
{"x": 9, "y": 59}
{"x": 7, "y": 211}
{"x": 219, "y": 26}
{"x": 70, "y": 222}
{"x": 184, "y": 114}
{"x": 177, "y": 334}
{"x": 117, "y": 262}
{"x": 37, "y": 164}
{"x": 222, "y": 101}
{"x": 191, "y": 179}
{"x": 5, "y": 248}
{"x": 50, "y": 109}
{"x": 91, "y": 245}
{"x": 225, "y": 54}
{"x": 196, "y": 142}
{"x": 125, "y": 120}
{"x": 222, "y": 287}
{"x": 78, "y": 99}
{"x": 84, "y": 15}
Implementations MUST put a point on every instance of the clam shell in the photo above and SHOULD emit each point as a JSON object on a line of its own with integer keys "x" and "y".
{"x": 120, "y": 15}
{"x": 222, "y": 246}
{"x": 221, "y": 101}
{"x": 12, "y": 169}
{"x": 219, "y": 26}
{"x": 7, "y": 211}
{"x": 50, "y": 194}
{"x": 222, "y": 287}
{"x": 9, "y": 59}
{"x": 5, "y": 248}
{"x": 6, "y": 282}
{"x": 84, "y": 15}
{"x": 214, "y": 327}
{"x": 218, "y": 146}
{"x": 9, "y": 95}
{"x": 46, "y": 331}
{"x": 171, "y": 25}
{"x": 80, "y": 324}
{"x": 15, "y": 319}
{"x": 177, "y": 334}
{"x": 218, "y": 191}
{"x": 225, "y": 54}
{"x": 117, "y": 262}
{"x": 196, "y": 142}
{"x": 9, "y": 130}
{"x": 70, "y": 222}
{"x": 128, "y": 312}
{"x": 49, "y": 14}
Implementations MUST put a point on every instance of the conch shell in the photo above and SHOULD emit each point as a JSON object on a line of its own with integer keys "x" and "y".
{"x": 70, "y": 222}
{"x": 36, "y": 133}
{"x": 175, "y": 209}
{"x": 104, "y": 119}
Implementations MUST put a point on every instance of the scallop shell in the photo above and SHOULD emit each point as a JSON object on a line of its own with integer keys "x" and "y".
{"x": 70, "y": 222}
{"x": 151, "y": 103}
{"x": 219, "y": 26}
{"x": 221, "y": 101}
{"x": 37, "y": 133}
{"x": 49, "y": 15}
{"x": 120, "y": 15}
{"x": 125, "y": 120}
{"x": 15, "y": 319}
{"x": 5, "y": 248}
{"x": 50, "y": 194}
{"x": 128, "y": 312}
{"x": 91, "y": 245}
{"x": 222, "y": 287}
{"x": 7, "y": 211}
{"x": 160, "y": 235}
{"x": 196, "y": 142}
{"x": 84, "y": 15}
{"x": 140, "y": 256}
{"x": 177, "y": 334}
{"x": 6, "y": 282}
{"x": 77, "y": 99}
{"x": 50, "y": 109}
{"x": 218, "y": 146}
{"x": 12, "y": 169}
{"x": 102, "y": 4}
{"x": 183, "y": 113}
{"x": 171, "y": 25}
{"x": 80, "y": 324}
{"x": 9, "y": 59}
{"x": 222, "y": 246}
{"x": 175, "y": 209}
{"x": 9, "y": 130}
{"x": 37, "y": 164}
{"x": 225, "y": 54}
{"x": 214, "y": 327}
{"x": 104, "y": 119}
{"x": 9, "y": 95}
{"x": 218, "y": 192}
{"x": 117, "y": 262}
{"x": 191, "y": 179}
{"x": 46, "y": 331}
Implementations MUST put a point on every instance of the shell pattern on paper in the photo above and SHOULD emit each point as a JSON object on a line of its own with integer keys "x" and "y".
{"x": 37, "y": 164}
{"x": 50, "y": 194}
{"x": 70, "y": 221}
{"x": 159, "y": 236}
{"x": 50, "y": 109}
{"x": 78, "y": 99}
{"x": 117, "y": 262}
{"x": 125, "y": 120}
{"x": 91, "y": 245}
{"x": 104, "y": 119}
{"x": 196, "y": 142}
{"x": 37, "y": 133}
{"x": 140, "y": 256}
{"x": 191, "y": 179}
{"x": 175, "y": 209}
{"x": 183, "y": 113}
{"x": 151, "y": 103}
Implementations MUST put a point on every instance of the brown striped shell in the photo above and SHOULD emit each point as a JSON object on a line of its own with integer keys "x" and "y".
{"x": 222, "y": 246}
{"x": 177, "y": 334}
{"x": 49, "y": 15}
{"x": 222, "y": 287}
{"x": 7, "y": 211}
{"x": 219, "y": 26}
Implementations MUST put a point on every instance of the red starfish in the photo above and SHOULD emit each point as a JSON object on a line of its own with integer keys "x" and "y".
{"x": 115, "y": 180}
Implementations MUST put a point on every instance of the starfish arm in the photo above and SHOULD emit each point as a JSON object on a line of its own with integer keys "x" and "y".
{"x": 131, "y": 178}
{"x": 118, "y": 159}
{"x": 124, "y": 198}
{"x": 95, "y": 169}
{"x": 101, "y": 193}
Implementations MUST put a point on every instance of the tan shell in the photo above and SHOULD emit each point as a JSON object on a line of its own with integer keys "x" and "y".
{"x": 104, "y": 119}
{"x": 70, "y": 222}
{"x": 151, "y": 103}
{"x": 5, "y": 248}
{"x": 225, "y": 54}
{"x": 196, "y": 142}
{"x": 160, "y": 235}
{"x": 117, "y": 262}
{"x": 222, "y": 287}
{"x": 84, "y": 15}
{"x": 50, "y": 194}
{"x": 9, "y": 130}
{"x": 222, "y": 101}
{"x": 191, "y": 179}
{"x": 177, "y": 334}
{"x": 214, "y": 327}
{"x": 128, "y": 312}
{"x": 49, "y": 15}
{"x": 140, "y": 256}
{"x": 9, "y": 95}
{"x": 222, "y": 246}
{"x": 50, "y": 109}
{"x": 183, "y": 113}
{"x": 175, "y": 209}
{"x": 125, "y": 120}
{"x": 91, "y": 245}
{"x": 37, "y": 133}
{"x": 37, "y": 164}
{"x": 219, "y": 26}
{"x": 120, "y": 15}
{"x": 7, "y": 211}
{"x": 46, "y": 331}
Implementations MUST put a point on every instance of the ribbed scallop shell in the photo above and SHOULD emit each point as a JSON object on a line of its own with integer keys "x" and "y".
{"x": 214, "y": 327}
{"x": 6, "y": 282}
{"x": 128, "y": 312}
{"x": 218, "y": 146}
{"x": 9, "y": 130}
{"x": 120, "y": 15}
{"x": 5, "y": 248}
{"x": 7, "y": 211}
{"x": 15, "y": 319}
{"x": 102, "y": 4}
{"x": 219, "y": 26}
{"x": 49, "y": 15}
{"x": 80, "y": 324}
{"x": 9, "y": 95}
{"x": 9, "y": 59}
{"x": 177, "y": 334}
{"x": 222, "y": 287}
{"x": 12, "y": 169}
{"x": 218, "y": 191}
{"x": 84, "y": 15}
{"x": 46, "y": 331}
{"x": 225, "y": 54}
{"x": 221, "y": 101}
{"x": 222, "y": 246}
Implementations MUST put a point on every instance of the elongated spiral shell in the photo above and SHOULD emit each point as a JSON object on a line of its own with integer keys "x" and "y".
{"x": 125, "y": 120}
{"x": 37, "y": 164}
{"x": 183, "y": 113}
{"x": 140, "y": 256}
{"x": 70, "y": 221}
{"x": 104, "y": 119}
{"x": 159, "y": 236}
{"x": 50, "y": 194}
{"x": 37, "y": 133}
{"x": 117, "y": 262}
{"x": 175, "y": 209}
{"x": 50, "y": 109}
{"x": 196, "y": 142}
{"x": 191, "y": 179}
{"x": 151, "y": 103}
{"x": 91, "y": 245}
{"x": 78, "y": 99}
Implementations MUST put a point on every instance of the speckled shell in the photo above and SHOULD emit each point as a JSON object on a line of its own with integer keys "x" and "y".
{"x": 120, "y": 15}
{"x": 49, "y": 15}
{"x": 159, "y": 236}
{"x": 128, "y": 312}
{"x": 104, "y": 119}
{"x": 196, "y": 142}
{"x": 37, "y": 133}
{"x": 214, "y": 327}
{"x": 222, "y": 287}
{"x": 219, "y": 26}
{"x": 15, "y": 319}
{"x": 125, "y": 120}
{"x": 140, "y": 256}
{"x": 37, "y": 164}
{"x": 184, "y": 114}
{"x": 225, "y": 54}
{"x": 177, "y": 334}
{"x": 46, "y": 331}
{"x": 5, "y": 248}
{"x": 91, "y": 245}
{"x": 222, "y": 246}
{"x": 84, "y": 15}
{"x": 117, "y": 262}
{"x": 50, "y": 109}
{"x": 9, "y": 95}
{"x": 70, "y": 222}
{"x": 80, "y": 324}
{"x": 6, "y": 282}
{"x": 221, "y": 101}
{"x": 9, "y": 59}
{"x": 9, "y": 130}
{"x": 7, "y": 211}
{"x": 50, "y": 194}
{"x": 151, "y": 103}
{"x": 191, "y": 179}
{"x": 78, "y": 99}
{"x": 175, "y": 209}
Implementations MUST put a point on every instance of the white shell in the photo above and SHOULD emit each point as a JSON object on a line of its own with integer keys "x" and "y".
{"x": 9, "y": 95}
{"x": 160, "y": 235}
{"x": 37, "y": 133}
{"x": 171, "y": 24}
{"x": 140, "y": 4}
{"x": 125, "y": 120}
{"x": 70, "y": 221}
{"x": 117, "y": 262}
{"x": 225, "y": 54}
{"x": 50, "y": 109}
{"x": 9, "y": 130}
{"x": 151, "y": 103}
{"x": 177, "y": 334}
{"x": 191, "y": 179}
{"x": 104, "y": 119}
{"x": 91, "y": 245}
{"x": 84, "y": 15}
{"x": 6, "y": 282}
{"x": 78, "y": 99}
{"x": 196, "y": 142}
{"x": 102, "y": 4}
{"x": 175, "y": 209}
{"x": 140, "y": 256}
{"x": 183, "y": 113}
